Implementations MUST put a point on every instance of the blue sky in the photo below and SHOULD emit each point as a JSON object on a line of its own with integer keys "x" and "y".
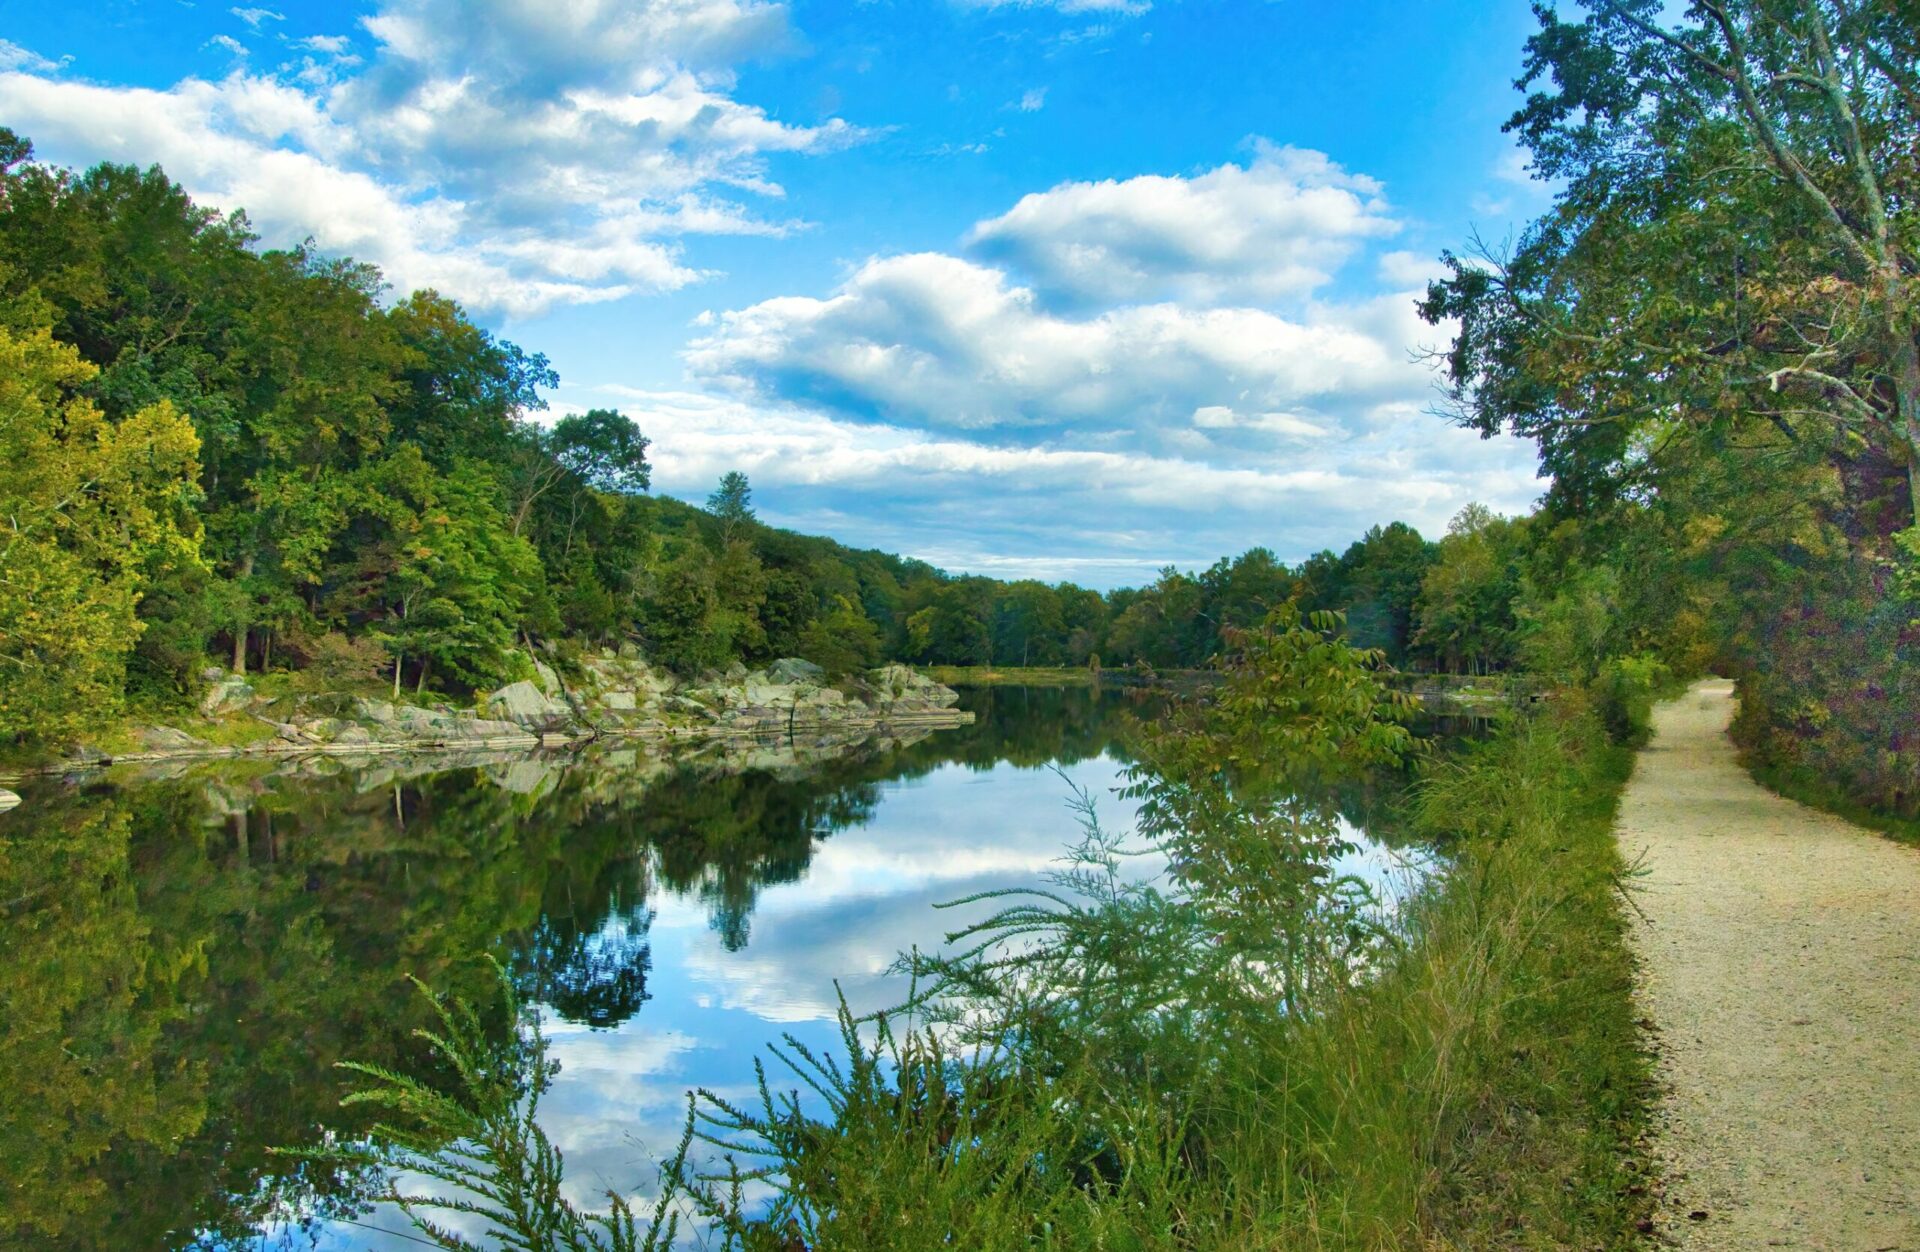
{"x": 1072, "y": 289}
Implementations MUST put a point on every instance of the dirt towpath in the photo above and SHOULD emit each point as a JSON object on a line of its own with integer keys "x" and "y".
{"x": 1780, "y": 957}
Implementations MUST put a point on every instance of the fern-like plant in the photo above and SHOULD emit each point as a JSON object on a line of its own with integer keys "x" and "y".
{"x": 482, "y": 1143}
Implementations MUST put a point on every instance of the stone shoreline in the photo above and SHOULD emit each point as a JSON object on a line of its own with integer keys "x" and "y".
{"x": 611, "y": 697}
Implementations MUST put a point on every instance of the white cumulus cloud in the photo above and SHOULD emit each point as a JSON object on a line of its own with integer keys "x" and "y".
{"x": 1006, "y": 413}
{"x": 515, "y": 155}
{"x": 939, "y": 341}
{"x": 15, "y": 57}
{"x": 1278, "y": 226}
{"x": 973, "y": 501}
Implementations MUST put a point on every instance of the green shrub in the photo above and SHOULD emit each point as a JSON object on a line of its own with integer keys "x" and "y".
{"x": 1623, "y": 696}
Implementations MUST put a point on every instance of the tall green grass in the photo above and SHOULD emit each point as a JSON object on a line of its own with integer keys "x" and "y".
{"x": 1469, "y": 1076}
{"x": 1249, "y": 1051}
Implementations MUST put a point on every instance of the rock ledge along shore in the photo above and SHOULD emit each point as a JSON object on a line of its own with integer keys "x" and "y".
{"x": 612, "y": 695}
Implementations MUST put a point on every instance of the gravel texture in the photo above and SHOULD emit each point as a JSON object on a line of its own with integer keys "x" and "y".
{"x": 1780, "y": 965}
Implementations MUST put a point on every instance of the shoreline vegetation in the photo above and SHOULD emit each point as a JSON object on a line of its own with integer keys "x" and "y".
{"x": 1253, "y": 1052}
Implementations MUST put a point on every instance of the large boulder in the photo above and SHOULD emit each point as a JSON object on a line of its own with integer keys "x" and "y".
{"x": 900, "y": 689}
{"x": 168, "y": 739}
{"x": 793, "y": 670}
{"x": 526, "y": 705}
{"x": 605, "y": 677}
{"x": 404, "y": 723}
{"x": 231, "y": 692}
{"x": 7, "y": 800}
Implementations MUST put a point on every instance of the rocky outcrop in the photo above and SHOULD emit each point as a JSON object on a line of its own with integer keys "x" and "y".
{"x": 8, "y": 800}
{"x": 612, "y": 695}
{"x": 229, "y": 692}
{"x": 167, "y": 739}
{"x": 525, "y": 704}
{"x": 617, "y": 693}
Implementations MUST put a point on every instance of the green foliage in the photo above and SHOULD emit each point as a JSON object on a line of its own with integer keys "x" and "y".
{"x": 604, "y": 449}
{"x": 1623, "y": 693}
{"x": 928, "y": 1144}
{"x": 1466, "y": 606}
{"x": 701, "y": 612}
{"x": 843, "y": 641}
{"x": 952, "y": 628}
{"x": 1565, "y": 631}
{"x": 436, "y": 573}
{"x": 94, "y": 508}
{"x": 731, "y": 503}
{"x": 89, "y": 994}
{"x": 1710, "y": 335}
{"x": 1377, "y": 583}
{"x": 336, "y": 658}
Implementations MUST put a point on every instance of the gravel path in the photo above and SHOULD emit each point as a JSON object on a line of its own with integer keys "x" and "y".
{"x": 1780, "y": 953}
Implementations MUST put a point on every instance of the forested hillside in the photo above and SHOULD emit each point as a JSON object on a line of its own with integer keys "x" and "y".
{"x": 263, "y": 459}
{"x": 266, "y": 459}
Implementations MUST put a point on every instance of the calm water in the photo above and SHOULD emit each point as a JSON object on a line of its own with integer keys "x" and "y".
{"x": 182, "y": 960}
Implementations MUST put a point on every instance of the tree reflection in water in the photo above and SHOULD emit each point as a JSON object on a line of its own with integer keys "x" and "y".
{"x": 184, "y": 958}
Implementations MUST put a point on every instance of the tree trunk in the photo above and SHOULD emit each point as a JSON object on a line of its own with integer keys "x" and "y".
{"x": 420, "y": 684}
{"x": 1906, "y": 391}
{"x": 240, "y": 629}
{"x": 397, "y": 658}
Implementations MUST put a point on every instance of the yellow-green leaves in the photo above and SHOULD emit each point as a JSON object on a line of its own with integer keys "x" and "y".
{"x": 89, "y": 509}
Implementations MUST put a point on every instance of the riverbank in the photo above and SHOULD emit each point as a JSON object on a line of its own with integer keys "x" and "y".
{"x": 1444, "y": 694}
{"x": 610, "y": 696}
{"x": 1485, "y": 1076}
{"x": 1522, "y": 966}
{"x": 1035, "y": 676}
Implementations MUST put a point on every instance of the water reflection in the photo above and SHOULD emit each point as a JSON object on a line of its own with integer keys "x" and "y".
{"x": 184, "y": 958}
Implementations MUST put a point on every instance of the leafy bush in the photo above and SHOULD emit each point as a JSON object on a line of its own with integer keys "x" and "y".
{"x": 336, "y": 658}
{"x": 1623, "y": 696}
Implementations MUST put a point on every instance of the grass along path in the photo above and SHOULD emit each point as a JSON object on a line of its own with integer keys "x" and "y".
{"x": 1780, "y": 952}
